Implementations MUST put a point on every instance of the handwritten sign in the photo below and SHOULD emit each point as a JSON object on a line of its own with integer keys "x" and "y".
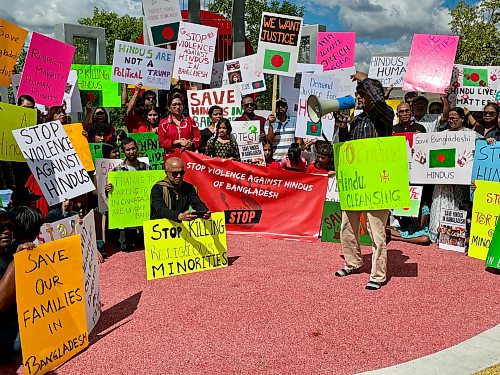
{"x": 452, "y": 230}
{"x": 180, "y": 248}
{"x": 59, "y": 229}
{"x": 279, "y": 43}
{"x": 414, "y": 209}
{"x": 200, "y": 101}
{"x": 332, "y": 192}
{"x": 134, "y": 63}
{"x": 335, "y": 50}
{"x": 80, "y": 144}
{"x": 430, "y": 64}
{"x": 195, "y": 51}
{"x": 148, "y": 146}
{"x": 96, "y": 87}
{"x": 72, "y": 93}
{"x": 13, "y": 117}
{"x": 372, "y": 174}
{"x": 331, "y": 225}
{"x": 486, "y": 164}
{"x": 247, "y": 135}
{"x": 95, "y": 150}
{"x": 485, "y": 213}
{"x": 46, "y": 70}
{"x": 389, "y": 70}
{"x": 245, "y": 73}
{"x": 161, "y": 19}
{"x": 53, "y": 161}
{"x": 50, "y": 304}
{"x": 12, "y": 39}
{"x": 443, "y": 158}
{"x": 493, "y": 257}
{"x": 129, "y": 200}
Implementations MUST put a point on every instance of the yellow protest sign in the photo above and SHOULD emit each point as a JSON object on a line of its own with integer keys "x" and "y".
{"x": 12, "y": 39}
{"x": 190, "y": 246}
{"x": 372, "y": 173}
{"x": 51, "y": 304}
{"x": 485, "y": 212}
{"x": 393, "y": 103}
{"x": 80, "y": 144}
{"x": 13, "y": 117}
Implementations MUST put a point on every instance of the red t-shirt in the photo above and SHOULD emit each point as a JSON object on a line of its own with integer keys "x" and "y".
{"x": 313, "y": 168}
{"x": 41, "y": 203}
{"x": 132, "y": 121}
{"x": 274, "y": 164}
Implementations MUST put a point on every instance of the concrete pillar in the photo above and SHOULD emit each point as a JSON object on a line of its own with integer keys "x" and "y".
{"x": 66, "y": 32}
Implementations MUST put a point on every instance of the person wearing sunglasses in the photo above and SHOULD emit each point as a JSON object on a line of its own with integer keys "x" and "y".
{"x": 488, "y": 127}
{"x": 249, "y": 107}
{"x": 172, "y": 196}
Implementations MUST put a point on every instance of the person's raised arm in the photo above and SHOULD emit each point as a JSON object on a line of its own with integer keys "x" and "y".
{"x": 133, "y": 99}
{"x": 88, "y": 116}
{"x": 124, "y": 94}
{"x": 443, "y": 120}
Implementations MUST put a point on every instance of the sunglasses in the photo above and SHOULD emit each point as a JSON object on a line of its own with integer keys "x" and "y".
{"x": 178, "y": 173}
{"x": 4, "y": 227}
{"x": 248, "y": 105}
{"x": 487, "y": 113}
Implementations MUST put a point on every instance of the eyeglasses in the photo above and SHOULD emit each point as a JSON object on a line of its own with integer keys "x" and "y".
{"x": 178, "y": 173}
{"x": 488, "y": 113}
{"x": 6, "y": 226}
{"x": 248, "y": 105}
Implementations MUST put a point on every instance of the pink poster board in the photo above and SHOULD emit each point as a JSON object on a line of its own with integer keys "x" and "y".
{"x": 335, "y": 50}
{"x": 46, "y": 70}
{"x": 430, "y": 64}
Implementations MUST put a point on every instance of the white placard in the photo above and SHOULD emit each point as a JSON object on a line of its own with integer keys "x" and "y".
{"x": 217, "y": 75}
{"x": 332, "y": 193}
{"x": 161, "y": 19}
{"x": 346, "y": 85}
{"x": 452, "y": 230}
{"x": 245, "y": 73}
{"x": 389, "y": 70}
{"x": 247, "y": 135}
{"x": 58, "y": 229}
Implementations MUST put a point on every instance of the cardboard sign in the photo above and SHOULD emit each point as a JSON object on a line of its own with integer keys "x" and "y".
{"x": 80, "y": 144}
{"x": 372, "y": 174}
{"x": 279, "y": 44}
{"x": 247, "y": 135}
{"x": 195, "y": 51}
{"x": 430, "y": 64}
{"x": 475, "y": 86}
{"x": 50, "y": 304}
{"x": 335, "y": 50}
{"x": 13, "y": 117}
{"x": 443, "y": 158}
{"x": 200, "y": 101}
{"x": 134, "y": 63}
{"x": 187, "y": 247}
{"x": 414, "y": 209}
{"x": 15, "y": 80}
{"x": 452, "y": 230}
{"x": 331, "y": 225}
{"x": 245, "y": 73}
{"x": 323, "y": 87}
{"x": 161, "y": 18}
{"x": 493, "y": 257}
{"x": 12, "y": 39}
{"x": 389, "y": 70}
{"x": 53, "y": 161}
{"x": 148, "y": 147}
{"x": 46, "y": 70}
{"x": 59, "y": 229}
{"x": 95, "y": 85}
{"x": 485, "y": 212}
{"x": 332, "y": 193}
{"x": 130, "y": 199}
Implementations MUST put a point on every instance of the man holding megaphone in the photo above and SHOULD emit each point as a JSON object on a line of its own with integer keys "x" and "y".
{"x": 375, "y": 121}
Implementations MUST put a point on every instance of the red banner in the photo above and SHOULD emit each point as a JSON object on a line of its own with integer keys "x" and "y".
{"x": 259, "y": 200}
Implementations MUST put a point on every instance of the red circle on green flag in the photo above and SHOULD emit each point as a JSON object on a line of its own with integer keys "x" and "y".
{"x": 474, "y": 77}
{"x": 167, "y": 32}
{"x": 90, "y": 97}
{"x": 277, "y": 61}
{"x": 314, "y": 128}
{"x": 441, "y": 158}
{"x": 257, "y": 85}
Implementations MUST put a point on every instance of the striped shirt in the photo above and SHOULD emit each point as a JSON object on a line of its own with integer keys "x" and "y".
{"x": 284, "y": 136}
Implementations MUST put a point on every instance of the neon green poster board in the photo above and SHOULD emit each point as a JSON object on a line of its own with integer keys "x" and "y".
{"x": 332, "y": 221}
{"x": 95, "y": 85}
{"x": 148, "y": 146}
{"x": 493, "y": 257}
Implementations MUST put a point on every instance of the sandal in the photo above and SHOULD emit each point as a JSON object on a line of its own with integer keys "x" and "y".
{"x": 346, "y": 272}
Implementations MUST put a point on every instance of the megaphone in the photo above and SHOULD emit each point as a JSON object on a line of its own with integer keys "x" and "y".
{"x": 317, "y": 108}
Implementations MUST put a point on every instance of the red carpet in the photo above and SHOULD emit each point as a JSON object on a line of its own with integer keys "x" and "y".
{"x": 278, "y": 309}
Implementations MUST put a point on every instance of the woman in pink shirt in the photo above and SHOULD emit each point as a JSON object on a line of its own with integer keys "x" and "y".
{"x": 294, "y": 161}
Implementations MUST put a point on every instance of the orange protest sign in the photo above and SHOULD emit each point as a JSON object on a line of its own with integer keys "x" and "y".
{"x": 12, "y": 39}
{"x": 51, "y": 304}
{"x": 80, "y": 144}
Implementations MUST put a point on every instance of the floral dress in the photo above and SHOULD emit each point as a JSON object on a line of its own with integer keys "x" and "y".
{"x": 227, "y": 150}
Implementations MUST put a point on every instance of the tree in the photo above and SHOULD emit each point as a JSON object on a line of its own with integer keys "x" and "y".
{"x": 478, "y": 27}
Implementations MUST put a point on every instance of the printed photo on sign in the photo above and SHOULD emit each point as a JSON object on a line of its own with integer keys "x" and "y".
{"x": 244, "y": 71}
{"x": 452, "y": 230}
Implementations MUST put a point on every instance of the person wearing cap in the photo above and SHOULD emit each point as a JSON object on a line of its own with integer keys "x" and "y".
{"x": 280, "y": 129}
{"x": 431, "y": 122}
{"x": 23, "y": 196}
{"x": 249, "y": 106}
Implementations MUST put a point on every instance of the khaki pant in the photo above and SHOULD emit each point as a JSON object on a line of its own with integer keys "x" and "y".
{"x": 349, "y": 238}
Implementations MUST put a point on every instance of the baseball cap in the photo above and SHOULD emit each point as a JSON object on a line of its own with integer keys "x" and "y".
{"x": 282, "y": 100}
{"x": 22, "y": 196}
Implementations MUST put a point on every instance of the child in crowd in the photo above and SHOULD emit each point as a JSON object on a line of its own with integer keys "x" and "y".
{"x": 293, "y": 161}
{"x": 268, "y": 155}
{"x": 412, "y": 229}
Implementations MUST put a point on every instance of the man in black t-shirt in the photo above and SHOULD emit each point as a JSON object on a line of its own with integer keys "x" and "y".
{"x": 406, "y": 123}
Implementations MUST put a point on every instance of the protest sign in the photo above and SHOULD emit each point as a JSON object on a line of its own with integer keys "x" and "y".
{"x": 72, "y": 94}
{"x": 195, "y": 51}
{"x": 279, "y": 43}
{"x": 13, "y": 117}
{"x": 335, "y": 50}
{"x": 53, "y": 161}
{"x": 96, "y": 87}
{"x": 95, "y": 150}
{"x": 430, "y": 64}
{"x": 332, "y": 221}
{"x": 323, "y": 87}
{"x": 389, "y": 69}
{"x": 486, "y": 164}
{"x": 372, "y": 174}
{"x": 443, "y": 158}
{"x": 46, "y": 70}
{"x": 452, "y": 230}
{"x": 180, "y": 248}
{"x": 413, "y": 210}
{"x": 90, "y": 261}
{"x": 332, "y": 192}
{"x": 217, "y": 75}
{"x": 12, "y": 39}
{"x": 50, "y": 304}
{"x": 247, "y": 135}
{"x": 130, "y": 199}
{"x": 256, "y": 199}
{"x": 59, "y": 229}
{"x": 5, "y": 197}
{"x": 161, "y": 18}
{"x": 245, "y": 72}
{"x": 485, "y": 212}
{"x": 409, "y": 146}
{"x": 475, "y": 86}
{"x": 343, "y": 75}
{"x": 200, "y": 101}
{"x": 493, "y": 256}
{"x": 148, "y": 146}
{"x": 134, "y": 63}
{"x": 80, "y": 144}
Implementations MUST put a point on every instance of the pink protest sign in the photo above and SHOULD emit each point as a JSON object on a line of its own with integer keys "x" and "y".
{"x": 46, "y": 70}
{"x": 335, "y": 50}
{"x": 430, "y": 64}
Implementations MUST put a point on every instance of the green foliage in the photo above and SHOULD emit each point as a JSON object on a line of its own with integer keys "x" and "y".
{"x": 478, "y": 27}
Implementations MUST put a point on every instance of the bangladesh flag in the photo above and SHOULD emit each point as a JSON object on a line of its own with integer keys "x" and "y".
{"x": 257, "y": 85}
{"x": 313, "y": 129}
{"x": 276, "y": 60}
{"x": 475, "y": 77}
{"x": 444, "y": 158}
{"x": 164, "y": 34}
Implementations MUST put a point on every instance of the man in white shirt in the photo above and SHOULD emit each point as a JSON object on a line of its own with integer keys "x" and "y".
{"x": 282, "y": 132}
{"x": 432, "y": 123}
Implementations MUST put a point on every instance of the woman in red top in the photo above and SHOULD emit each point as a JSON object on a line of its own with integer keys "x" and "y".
{"x": 176, "y": 132}
{"x": 324, "y": 161}
{"x": 152, "y": 122}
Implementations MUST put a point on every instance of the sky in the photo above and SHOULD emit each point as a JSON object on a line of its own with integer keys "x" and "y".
{"x": 380, "y": 25}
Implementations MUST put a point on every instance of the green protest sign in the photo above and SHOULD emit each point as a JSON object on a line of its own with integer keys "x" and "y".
{"x": 332, "y": 221}
{"x": 95, "y": 85}
{"x": 493, "y": 257}
{"x": 148, "y": 145}
{"x": 95, "y": 151}
{"x": 372, "y": 173}
{"x": 129, "y": 200}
